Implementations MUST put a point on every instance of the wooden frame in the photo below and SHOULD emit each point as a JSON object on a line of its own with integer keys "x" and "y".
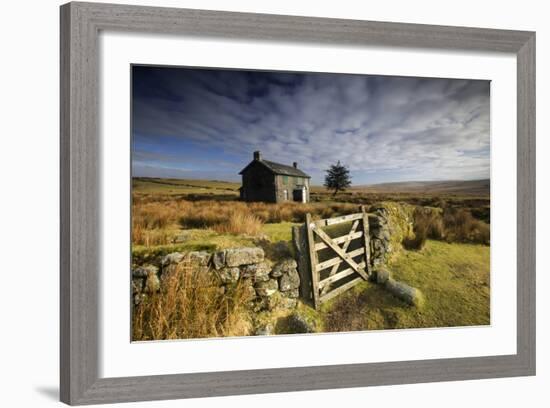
{"x": 80, "y": 234}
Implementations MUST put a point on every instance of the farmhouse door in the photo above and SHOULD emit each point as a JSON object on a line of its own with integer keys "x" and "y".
{"x": 299, "y": 195}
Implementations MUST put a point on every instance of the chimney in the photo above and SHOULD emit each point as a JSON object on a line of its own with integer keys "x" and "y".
{"x": 257, "y": 155}
{"x": 295, "y": 165}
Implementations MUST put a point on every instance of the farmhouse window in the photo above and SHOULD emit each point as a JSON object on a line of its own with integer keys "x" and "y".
{"x": 285, "y": 180}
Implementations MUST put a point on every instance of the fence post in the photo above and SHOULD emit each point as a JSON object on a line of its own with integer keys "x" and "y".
{"x": 366, "y": 239}
{"x": 313, "y": 262}
{"x": 299, "y": 238}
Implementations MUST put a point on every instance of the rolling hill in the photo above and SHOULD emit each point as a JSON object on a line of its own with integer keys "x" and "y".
{"x": 190, "y": 186}
{"x": 477, "y": 187}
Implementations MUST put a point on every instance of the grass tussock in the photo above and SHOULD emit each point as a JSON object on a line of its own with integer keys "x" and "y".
{"x": 192, "y": 305}
{"x": 240, "y": 222}
{"x": 461, "y": 226}
{"x": 451, "y": 225}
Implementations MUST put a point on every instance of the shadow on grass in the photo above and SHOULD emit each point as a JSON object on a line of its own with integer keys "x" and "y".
{"x": 367, "y": 307}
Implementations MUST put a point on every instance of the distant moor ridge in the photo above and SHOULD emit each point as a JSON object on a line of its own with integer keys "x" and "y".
{"x": 467, "y": 187}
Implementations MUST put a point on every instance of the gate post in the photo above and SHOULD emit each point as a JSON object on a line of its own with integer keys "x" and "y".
{"x": 313, "y": 261}
{"x": 366, "y": 239}
{"x": 299, "y": 238}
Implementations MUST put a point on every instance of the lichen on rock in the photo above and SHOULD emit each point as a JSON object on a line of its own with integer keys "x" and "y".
{"x": 267, "y": 288}
{"x": 243, "y": 256}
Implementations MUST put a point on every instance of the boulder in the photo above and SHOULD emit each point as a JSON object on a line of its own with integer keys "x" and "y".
{"x": 218, "y": 259}
{"x": 267, "y": 288}
{"x": 152, "y": 283}
{"x": 265, "y": 330}
{"x": 282, "y": 267}
{"x": 258, "y": 271}
{"x": 137, "y": 285}
{"x": 199, "y": 257}
{"x": 243, "y": 256}
{"x": 406, "y": 293}
{"x": 173, "y": 258}
{"x": 380, "y": 275}
{"x": 293, "y": 293}
{"x": 289, "y": 281}
{"x": 248, "y": 288}
{"x": 229, "y": 275}
{"x": 288, "y": 303}
{"x": 144, "y": 270}
{"x": 383, "y": 234}
{"x": 380, "y": 248}
{"x": 298, "y": 323}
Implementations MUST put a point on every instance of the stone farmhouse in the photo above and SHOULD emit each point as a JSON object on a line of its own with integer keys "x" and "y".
{"x": 267, "y": 181}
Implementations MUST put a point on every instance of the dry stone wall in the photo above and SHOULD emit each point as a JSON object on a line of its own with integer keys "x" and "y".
{"x": 270, "y": 284}
{"x": 389, "y": 224}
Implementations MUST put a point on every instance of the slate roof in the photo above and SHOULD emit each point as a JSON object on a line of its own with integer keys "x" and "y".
{"x": 279, "y": 168}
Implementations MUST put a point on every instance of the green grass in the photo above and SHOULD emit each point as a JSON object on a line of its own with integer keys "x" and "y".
{"x": 193, "y": 240}
{"x": 454, "y": 279}
{"x": 281, "y": 231}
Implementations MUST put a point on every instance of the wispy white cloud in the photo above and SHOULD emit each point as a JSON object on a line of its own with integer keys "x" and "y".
{"x": 383, "y": 128}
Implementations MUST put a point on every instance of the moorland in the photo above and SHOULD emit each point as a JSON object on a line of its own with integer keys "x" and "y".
{"x": 448, "y": 259}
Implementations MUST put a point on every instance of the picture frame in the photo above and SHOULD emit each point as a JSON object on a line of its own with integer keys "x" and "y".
{"x": 80, "y": 236}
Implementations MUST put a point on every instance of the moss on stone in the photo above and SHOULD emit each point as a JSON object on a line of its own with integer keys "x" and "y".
{"x": 400, "y": 222}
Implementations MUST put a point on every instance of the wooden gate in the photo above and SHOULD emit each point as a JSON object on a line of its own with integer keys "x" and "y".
{"x": 338, "y": 250}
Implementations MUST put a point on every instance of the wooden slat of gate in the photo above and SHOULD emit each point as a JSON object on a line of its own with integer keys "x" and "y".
{"x": 340, "y": 289}
{"x": 337, "y": 260}
{"x": 338, "y": 276}
{"x": 339, "y": 240}
{"x": 338, "y": 220}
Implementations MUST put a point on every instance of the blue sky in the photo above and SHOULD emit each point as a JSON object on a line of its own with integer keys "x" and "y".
{"x": 205, "y": 123}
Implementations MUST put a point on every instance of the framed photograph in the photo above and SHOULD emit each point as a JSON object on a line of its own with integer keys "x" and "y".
{"x": 261, "y": 203}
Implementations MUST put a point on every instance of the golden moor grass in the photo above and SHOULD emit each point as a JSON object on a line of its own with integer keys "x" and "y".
{"x": 154, "y": 221}
{"x": 192, "y": 305}
{"x": 153, "y": 237}
{"x": 240, "y": 222}
{"x": 422, "y": 225}
{"x": 461, "y": 226}
{"x": 452, "y": 225}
